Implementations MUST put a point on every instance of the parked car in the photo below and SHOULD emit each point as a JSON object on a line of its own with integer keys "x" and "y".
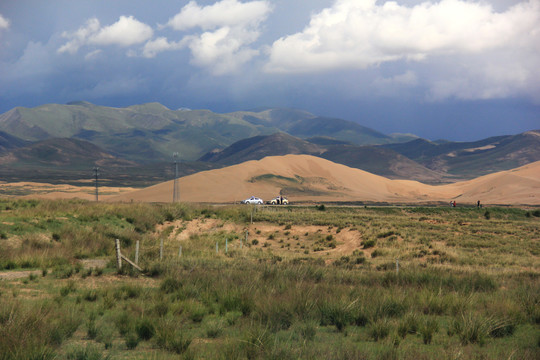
{"x": 253, "y": 200}
{"x": 278, "y": 200}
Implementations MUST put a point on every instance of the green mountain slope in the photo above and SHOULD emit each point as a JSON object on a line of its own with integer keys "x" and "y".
{"x": 152, "y": 132}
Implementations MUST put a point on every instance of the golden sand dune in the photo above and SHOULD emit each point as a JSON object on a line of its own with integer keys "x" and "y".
{"x": 307, "y": 178}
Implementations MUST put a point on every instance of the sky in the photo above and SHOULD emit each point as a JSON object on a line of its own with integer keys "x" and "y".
{"x": 441, "y": 69}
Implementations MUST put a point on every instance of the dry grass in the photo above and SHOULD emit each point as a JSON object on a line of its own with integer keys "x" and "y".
{"x": 313, "y": 284}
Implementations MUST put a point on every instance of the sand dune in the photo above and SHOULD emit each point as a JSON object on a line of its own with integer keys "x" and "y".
{"x": 307, "y": 178}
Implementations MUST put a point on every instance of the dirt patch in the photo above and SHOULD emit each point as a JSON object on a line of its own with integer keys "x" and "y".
{"x": 87, "y": 264}
{"x": 11, "y": 275}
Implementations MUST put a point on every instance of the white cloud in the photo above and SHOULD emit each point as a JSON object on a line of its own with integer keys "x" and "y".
{"x": 153, "y": 47}
{"x": 229, "y": 28}
{"x": 223, "y": 50}
{"x": 4, "y": 23}
{"x": 125, "y": 32}
{"x": 225, "y": 13}
{"x": 357, "y": 34}
{"x": 93, "y": 54}
{"x": 79, "y": 37}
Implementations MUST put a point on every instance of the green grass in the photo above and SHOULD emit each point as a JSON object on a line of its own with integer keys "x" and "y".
{"x": 466, "y": 285}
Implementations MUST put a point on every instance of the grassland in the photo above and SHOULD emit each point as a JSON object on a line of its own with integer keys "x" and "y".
{"x": 297, "y": 283}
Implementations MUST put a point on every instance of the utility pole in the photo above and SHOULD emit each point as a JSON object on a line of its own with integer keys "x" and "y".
{"x": 176, "y": 191}
{"x": 96, "y": 173}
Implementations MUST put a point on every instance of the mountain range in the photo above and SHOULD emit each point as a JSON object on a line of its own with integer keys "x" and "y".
{"x": 133, "y": 145}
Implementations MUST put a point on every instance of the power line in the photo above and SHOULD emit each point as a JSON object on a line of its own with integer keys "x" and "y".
{"x": 176, "y": 190}
{"x": 96, "y": 173}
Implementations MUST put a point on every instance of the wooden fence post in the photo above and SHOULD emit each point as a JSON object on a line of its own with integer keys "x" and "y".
{"x": 180, "y": 251}
{"x": 118, "y": 255}
{"x": 137, "y": 252}
{"x": 161, "y": 250}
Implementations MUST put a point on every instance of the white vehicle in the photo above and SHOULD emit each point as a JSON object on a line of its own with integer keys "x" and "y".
{"x": 253, "y": 200}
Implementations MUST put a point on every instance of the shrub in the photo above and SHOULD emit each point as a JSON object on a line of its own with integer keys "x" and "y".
{"x": 195, "y": 311}
{"x": 428, "y": 328}
{"x": 213, "y": 328}
{"x": 90, "y": 295}
{"x": 232, "y": 316}
{"x": 307, "y": 330}
{"x": 379, "y": 329}
{"x": 89, "y": 352}
{"x": 170, "y": 285}
{"x": 161, "y": 308}
{"x": 145, "y": 329}
{"x": 409, "y": 324}
{"x": 390, "y": 307}
{"x": 335, "y": 313}
{"x": 168, "y": 337}
{"x": 179, "y": 343}
{"x": 68, "y": 288}
{"x": 276, "y": 316}
{"x": 131, "y": 341}
{"x": 91, "y": 328}
{"x": 487, "y": 215}
{"x": 105, "y": 336}
{"x": 474, "y": 328}
{"x": 369, "y": 243}
{"x": 124, "y": 323}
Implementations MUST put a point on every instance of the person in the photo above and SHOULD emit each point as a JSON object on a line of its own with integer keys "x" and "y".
{"x": 478, "y": 204}
{"x": 454, "y": 203}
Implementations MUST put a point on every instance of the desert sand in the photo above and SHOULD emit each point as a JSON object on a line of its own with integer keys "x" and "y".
{"x": 34, "y": 190}
{"x": 305, "y": 178}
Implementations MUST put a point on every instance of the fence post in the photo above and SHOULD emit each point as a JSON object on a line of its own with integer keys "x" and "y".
{"x": 118, "y": 255}
{"x": 217, "y": 249}
{"x": 161, "y": 250}
{"x": 247, "y": 232}
{"x": 226, "y": 245}
{"x": 397, "y": 266}
{"x": 180, "y": 251}
{"x": 137, "y": 252}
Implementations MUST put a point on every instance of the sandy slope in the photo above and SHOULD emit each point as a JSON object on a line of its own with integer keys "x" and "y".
{"x": 54, "y": 191}
{"x": 308, "y": 178}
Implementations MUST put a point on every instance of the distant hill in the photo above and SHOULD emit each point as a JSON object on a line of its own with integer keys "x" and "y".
{"x": 62, "y": 160}
{"x": 71, "y": 153}
{"x": 471, "y": 159}
{"x": 381, "y": 161}
{"x": 136, "y": 143}
{"x": 152, "y": 132}
{"x": 258, "y": 147}
{"x": 9, "y": 142}
{"x": 377, "y": 160}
